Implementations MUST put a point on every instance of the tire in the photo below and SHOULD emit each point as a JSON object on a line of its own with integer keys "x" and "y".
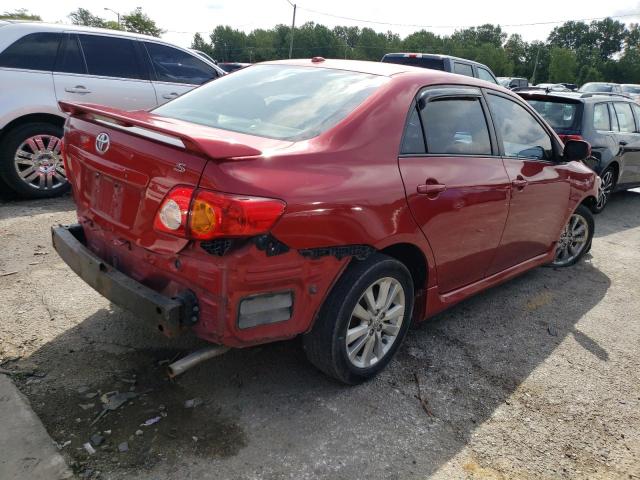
{"x": 582, "y": 217}
{"x": 47, "y": 160}
{"x": 326, "y": 344}
{"x": 608, "y": 176}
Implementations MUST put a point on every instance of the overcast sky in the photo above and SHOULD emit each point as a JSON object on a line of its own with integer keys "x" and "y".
{"x": 182, "y": 19}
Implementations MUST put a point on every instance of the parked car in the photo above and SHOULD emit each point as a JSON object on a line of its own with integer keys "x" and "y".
{"x": 259, "y": 208}
{"x": 513, "y": 82}
{"x": 600, "y": 87}
{"x": 571, "y": 86}
{"x": 232, "y": 66}
{"x": 446, "y": 63}
{"x": 632, "y": 90}
{"x": 41, "y": 64}
{"x": 610, "y": 123}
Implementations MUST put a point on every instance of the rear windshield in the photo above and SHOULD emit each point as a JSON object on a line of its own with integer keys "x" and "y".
{"x": 635, "y": 89}
{"x": 424, "y": 62}
{"x": 560, "y": 115}
{"x": 275, "y": 101}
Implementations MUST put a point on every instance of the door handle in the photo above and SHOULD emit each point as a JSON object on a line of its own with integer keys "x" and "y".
{"x": 519, "y": 183}
{"x": 622, "y": 143}
{"x": 171, "y": 96}
{"x": 431, "y": 188}
{"x": 81, "y": 89}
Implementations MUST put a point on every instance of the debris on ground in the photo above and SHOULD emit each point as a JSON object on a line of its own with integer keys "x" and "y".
{"x": 139, "y": 432}
{"x": 151, "y": 421}
{"x": 90, "y": 450}
{"x": 86, "y": 406}
{"x": 423, "y": 401}
{"x": 63, "y": 444}
{"x": 112, "y": 401}
{"x": 97, "y": 439}
{"x": 553, "y": 331}
{"x": 123, "y": 447}
{"x": 193, "y": 403}
{"x": 6, "y": 274}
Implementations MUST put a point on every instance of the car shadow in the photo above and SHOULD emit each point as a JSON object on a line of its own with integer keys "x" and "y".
{"x": 266, "y": 412}
{"x": 12, "y": 207}
{"x": 622, "y": 212}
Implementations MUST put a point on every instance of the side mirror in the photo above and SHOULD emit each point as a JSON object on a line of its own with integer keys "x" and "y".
{"x": 576, "y": 150}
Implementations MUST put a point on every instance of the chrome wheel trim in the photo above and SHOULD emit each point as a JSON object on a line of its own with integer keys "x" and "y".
{"x": 38, "y": 162}
{"x": 375, "y": 322}
{"x": 573, "y": 240}
{"x": 606, "y": 187}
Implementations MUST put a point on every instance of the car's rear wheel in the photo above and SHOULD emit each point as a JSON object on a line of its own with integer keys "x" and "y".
{"x": 607, "y": 184}
{"x": 575, "y": 240}
{"x": 31, "y": 161}
{"x": 363, "y": 320}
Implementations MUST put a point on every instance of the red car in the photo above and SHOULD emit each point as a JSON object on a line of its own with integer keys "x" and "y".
{"x": 340, "y": 200}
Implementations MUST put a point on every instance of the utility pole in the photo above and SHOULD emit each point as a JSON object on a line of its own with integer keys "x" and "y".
{"x": 293, "y": 27}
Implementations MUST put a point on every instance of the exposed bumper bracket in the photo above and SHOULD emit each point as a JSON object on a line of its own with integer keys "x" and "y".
{"x": 169, "y": 315}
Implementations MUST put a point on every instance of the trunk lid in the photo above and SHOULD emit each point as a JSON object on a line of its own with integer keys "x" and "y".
{"x": 121, "y": 186}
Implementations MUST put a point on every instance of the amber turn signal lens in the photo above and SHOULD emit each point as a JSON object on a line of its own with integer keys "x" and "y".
{"x": 203, "y": 219}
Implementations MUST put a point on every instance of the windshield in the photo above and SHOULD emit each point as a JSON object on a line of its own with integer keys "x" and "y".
{"x": 560, "y": 115}
{"x": 275, "y": 101}
{"x": 423, "y": 62}
{"x": 597, "y": 87}
{"x": 635, "y": 89}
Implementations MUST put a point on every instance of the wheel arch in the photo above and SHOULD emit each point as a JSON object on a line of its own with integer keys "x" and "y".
{"x": 57, "y": 120}
{"x": 414, "y": 259}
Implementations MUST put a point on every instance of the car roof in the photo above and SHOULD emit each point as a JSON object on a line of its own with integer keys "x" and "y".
{"x": 427, "y": 76}
{"x": 575, "y": 96}
{"x": 436, "y": 55}
{"x": 35, "y": 27}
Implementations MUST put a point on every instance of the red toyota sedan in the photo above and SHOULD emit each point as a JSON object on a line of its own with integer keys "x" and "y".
{"x": 337, "y": 200}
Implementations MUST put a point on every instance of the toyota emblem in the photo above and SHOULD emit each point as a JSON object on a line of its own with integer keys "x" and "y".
{"x": 102, "y": 143}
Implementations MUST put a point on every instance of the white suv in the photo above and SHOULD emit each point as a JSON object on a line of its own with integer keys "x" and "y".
{"x": 41, "y": 64}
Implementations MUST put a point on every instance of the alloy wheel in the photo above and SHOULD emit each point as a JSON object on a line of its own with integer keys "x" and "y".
{"x": 573, "y": 240}
{"x": 38, "y": 161}
{"x": 606, "y": 187}
{"x": 375, "y": 322}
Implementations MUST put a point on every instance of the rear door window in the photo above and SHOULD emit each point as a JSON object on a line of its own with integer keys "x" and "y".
{"x": 413, "y": 139}
{"x": 625, "y": 117}
{"x": 175, "y": 66}
{"x": 522, "y": 136}
{"x": 36, "y": 51}
{"x": 70, "y": 59}
{"x": 484, "y": 74}
{"x": 456, "y": 126}
{"x": 560, "y": 115}
{"x": 463, "y": 69}
{"x": 111, "y": 57}
{"x": 601, "y": 120}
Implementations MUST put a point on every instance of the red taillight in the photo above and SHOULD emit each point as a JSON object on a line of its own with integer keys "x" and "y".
{"x": 564, "y": 138}
{"x": 205, "y": 215}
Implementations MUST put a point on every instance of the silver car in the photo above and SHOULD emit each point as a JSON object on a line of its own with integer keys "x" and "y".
{"x": 41, "y": 64}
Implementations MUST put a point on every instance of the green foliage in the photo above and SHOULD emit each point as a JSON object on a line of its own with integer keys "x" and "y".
{"x": 562, "y": 65}
{"x": 84, "y": 17}
{"x": 20, "y": 14}
{"x": 139, "y": 22}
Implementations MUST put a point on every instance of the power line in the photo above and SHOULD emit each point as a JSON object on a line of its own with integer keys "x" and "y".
{"x": 353, "y": 19}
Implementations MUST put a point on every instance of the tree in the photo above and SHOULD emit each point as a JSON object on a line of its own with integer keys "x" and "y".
{"x": 562, "y": 65}
{"x": 608, "y": 36}
{"x": 229, "y": 44}
{"x": 20, "y": 14}
{"x": 83, "y": 16}
{"x": 198, "y": 43}
{"x": 139, "y": 22}
{"x": 571, "y": 35}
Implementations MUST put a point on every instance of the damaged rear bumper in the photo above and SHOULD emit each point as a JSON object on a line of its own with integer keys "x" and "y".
{"x": 169, "y": 315}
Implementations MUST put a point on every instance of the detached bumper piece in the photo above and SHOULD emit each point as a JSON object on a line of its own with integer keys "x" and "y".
{"x": 169, "y": 315}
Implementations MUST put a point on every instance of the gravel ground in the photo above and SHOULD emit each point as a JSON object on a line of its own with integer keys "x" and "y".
{"x": 535, "y": 379}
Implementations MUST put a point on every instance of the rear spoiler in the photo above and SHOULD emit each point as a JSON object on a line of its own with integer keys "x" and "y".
{"x": 146, "y": 125}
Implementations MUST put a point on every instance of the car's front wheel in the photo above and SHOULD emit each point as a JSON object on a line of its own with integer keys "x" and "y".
{"x": 575, "y": 239}
{"x": 31, "y": 161}
{"x": 363, "y": 320}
